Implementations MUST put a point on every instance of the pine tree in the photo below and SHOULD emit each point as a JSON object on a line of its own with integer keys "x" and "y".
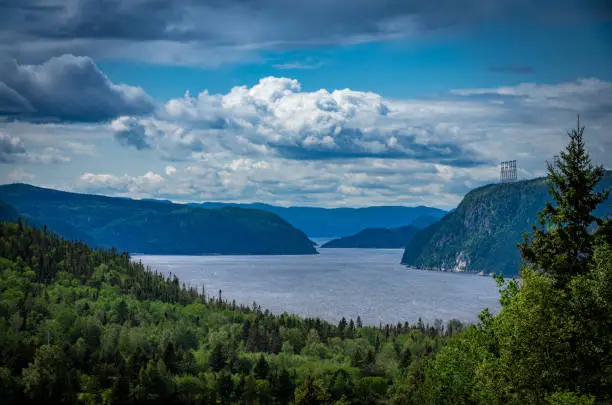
{"x": 218, "y": 359}
{"x": 261, "y": 368}
{"x": 563, "y": 245}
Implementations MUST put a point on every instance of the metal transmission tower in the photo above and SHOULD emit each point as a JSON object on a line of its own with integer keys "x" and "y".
{"x": 508, "y": 171}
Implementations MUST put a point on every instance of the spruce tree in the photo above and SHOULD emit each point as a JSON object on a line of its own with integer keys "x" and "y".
{"x": 563, "y": 245}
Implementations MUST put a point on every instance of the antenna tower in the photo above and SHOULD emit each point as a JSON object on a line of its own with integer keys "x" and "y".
{"x": 508, "y": 171}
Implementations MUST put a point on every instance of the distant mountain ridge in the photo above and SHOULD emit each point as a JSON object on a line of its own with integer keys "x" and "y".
{"x": 338, "y": 222}
{"x": 150, "y": 227}
{"x": 482, "y": 233}
{"x": 7, "y": 212}
{"x": 376, "y": 238}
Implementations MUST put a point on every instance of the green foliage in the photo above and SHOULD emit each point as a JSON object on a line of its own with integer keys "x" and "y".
{"x": 563, "y": 246}
{"x": 552, "y": 340}
{"x": 79, "y": 325}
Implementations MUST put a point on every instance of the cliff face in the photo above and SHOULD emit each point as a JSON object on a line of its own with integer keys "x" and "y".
{"x": 482, "y": 233}
{"x": 151, "y": 227}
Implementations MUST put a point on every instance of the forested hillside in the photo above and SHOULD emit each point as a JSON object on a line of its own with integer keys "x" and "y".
{"x": 79, "y": 325}
{"x": 150, "y": 227}
{"x": 85, "y": 326}
{"x": 482, "y": 233}
{"x": 7, "y": 213}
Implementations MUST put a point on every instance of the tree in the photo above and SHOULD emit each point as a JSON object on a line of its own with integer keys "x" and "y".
{"x": 49, "y": 378}
{"x": 218, "y": 359}
{"x": 554, "y": 333}
{"x": 261, "y": 368}
{"x": 284, "y": 387}
{"x": 309, "y": 393}
{"x": 564, "y": 244}
{"x": 225, "y": 387}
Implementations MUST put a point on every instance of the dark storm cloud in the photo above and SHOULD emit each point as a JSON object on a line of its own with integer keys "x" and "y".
{"x": 104, "y": 28}
{"x": 129, "y": 132}
{"x": 354, "y": 143}
{"x": 66, "y": 89}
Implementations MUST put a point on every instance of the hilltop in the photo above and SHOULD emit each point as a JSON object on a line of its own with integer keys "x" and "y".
{"x": 376, "y": 238}
{"x": 150, "y": 227}
{"x": 482, "y": 233}
{"x": 337, "y": 222}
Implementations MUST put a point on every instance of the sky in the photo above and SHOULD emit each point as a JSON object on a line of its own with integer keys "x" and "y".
{"x": 314, "y": 103}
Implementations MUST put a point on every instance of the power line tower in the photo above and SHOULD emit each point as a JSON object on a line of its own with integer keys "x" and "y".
{"x": 508, "y": 171}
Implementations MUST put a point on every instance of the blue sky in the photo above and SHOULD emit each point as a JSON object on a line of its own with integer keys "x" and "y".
{"x": 324, "y": 103}
{"x": 409, "y": 67}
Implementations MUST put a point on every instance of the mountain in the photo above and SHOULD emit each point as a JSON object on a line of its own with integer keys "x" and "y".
{"x": 7, "y": 213}
{"x": 424, "y": 221}
{"x": 482, "y": 233}
{"x": 151, "y": 227}
{"x": 379, "y": 238}
{"x": 335, "y": 222}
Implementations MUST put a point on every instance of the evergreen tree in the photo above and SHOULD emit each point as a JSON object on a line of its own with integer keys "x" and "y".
{"x": 284, "y": 387}
{"x": 261, "y": 368}
{"x": 218, "y": 359}
{"x": 563, "y": 246}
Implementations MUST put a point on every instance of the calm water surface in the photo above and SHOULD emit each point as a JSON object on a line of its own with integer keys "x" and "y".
{"x": 338, "y": 282}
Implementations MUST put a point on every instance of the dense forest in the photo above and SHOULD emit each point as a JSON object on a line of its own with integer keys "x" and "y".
{"x": 150, "y": 227}
{"x": 90, "y": 326}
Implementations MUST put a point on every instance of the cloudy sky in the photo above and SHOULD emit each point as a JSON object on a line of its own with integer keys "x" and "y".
{"x": 293, "y": 102}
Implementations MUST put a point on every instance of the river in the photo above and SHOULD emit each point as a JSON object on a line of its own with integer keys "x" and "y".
{"x": 370, "y": 283}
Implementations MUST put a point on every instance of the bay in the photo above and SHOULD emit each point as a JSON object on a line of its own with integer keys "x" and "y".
{"x": 370, "y": 283}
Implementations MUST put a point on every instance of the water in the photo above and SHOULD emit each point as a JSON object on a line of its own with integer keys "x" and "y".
{"x": 338, "y": 282}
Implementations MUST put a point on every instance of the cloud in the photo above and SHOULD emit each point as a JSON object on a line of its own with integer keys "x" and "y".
{"x": 49, "y": 155}
{"x": 465, "y": 128}
{"x": 279, "y": 181}
{"x": 19, "y": 175}
{"x": 590, "y": 97}
{"x": 170, "y": 170}
{"x": 11, "y": 148}
{"x": 297, "y": 65}
{"x": 66, "y": 88}
{"x": 111, "y": 184}
{"x": 79, "y": 148}
{"x": 191, "y": 32}
{"x": 172, "y": 141}
{"x": 517, "y": 69}
{"x": 129, "y": 131}
{"x": 275, "y": 143}
{"x": 275, "y": 117}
